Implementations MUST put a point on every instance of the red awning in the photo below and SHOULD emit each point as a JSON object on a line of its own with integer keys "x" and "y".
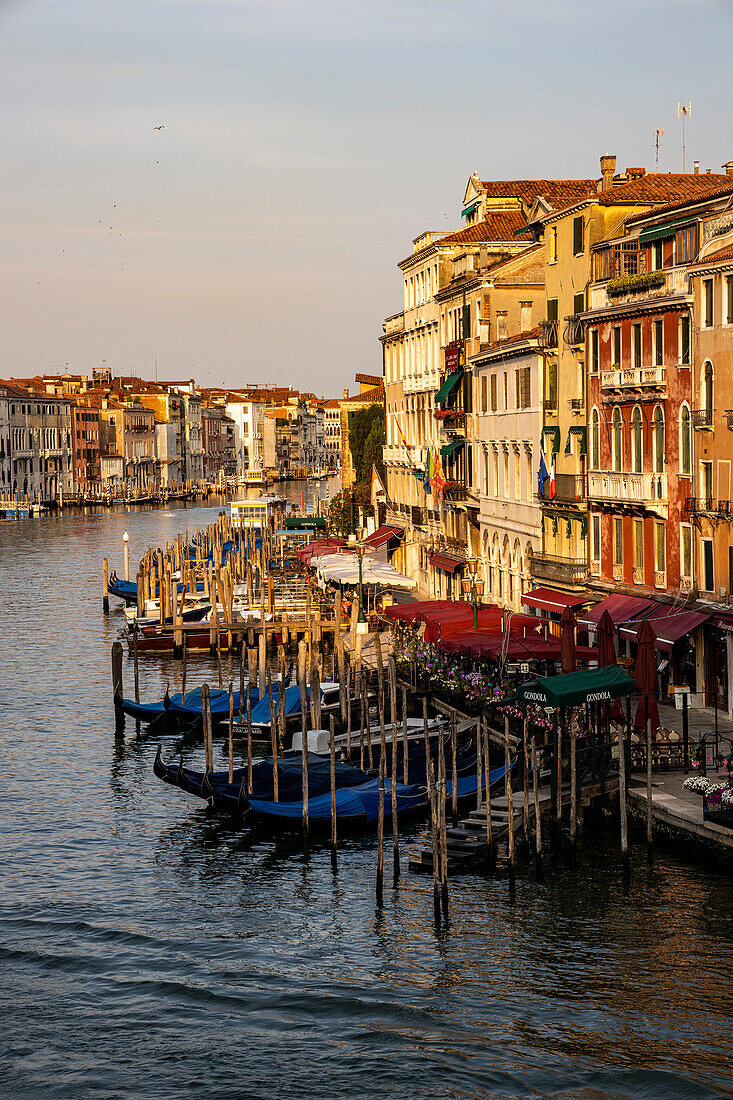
{"x": 383, "y": 535}
{"x": 669, "y": 628}
{"x": 723, "y": 622}
{"x": 445, "y": 562}
{"x": 621, "y": 609}
{"x": 551, "y": 599}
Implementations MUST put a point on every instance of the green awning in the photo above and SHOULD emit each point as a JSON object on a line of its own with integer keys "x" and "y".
{"x": 450, "y": 448}
{"x": 555, "y": 432}
{"x": 594, "y": 685}
{"x": 449, "y": 384}
{"x": 522, "y": 229}
{"x": 582, "y": 434}
{"x": 469, "y": 209}
{"x": 297, "y": 523}
{"x": 665, "y": 229}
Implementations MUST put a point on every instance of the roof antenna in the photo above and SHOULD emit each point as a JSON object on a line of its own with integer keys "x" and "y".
{"x": 656, "y": 134}
{"x": 683, "y": 110}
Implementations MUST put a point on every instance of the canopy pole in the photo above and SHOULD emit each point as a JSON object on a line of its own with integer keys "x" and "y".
{"x": 622, "y": 792}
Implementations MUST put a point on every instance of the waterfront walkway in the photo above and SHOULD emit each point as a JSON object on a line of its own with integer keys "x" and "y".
{"x": 678, "y": 812}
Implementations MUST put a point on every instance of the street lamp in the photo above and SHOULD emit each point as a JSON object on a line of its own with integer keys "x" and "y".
{"x": 473, "y": 588}
{"x": 362, "y": 626}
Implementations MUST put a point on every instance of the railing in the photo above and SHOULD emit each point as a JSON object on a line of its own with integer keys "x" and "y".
{"x": 417, "y": 518}
{"x": 569, "y": 489}
{"x": 635, "y": 378}
{"x": 627, "y": 488}
{"x": 574, "y": 332}
{"x": 548, "y": 334}
{"x": 551, "y": 567}
{"x": 455, "y": 492}
{"x": 657, "y": 284}
{"x": 576, "y": 404}
{"x": 550, "y": 405}
{"x": 696, "y": 505}
{"x": 702, "y": 418}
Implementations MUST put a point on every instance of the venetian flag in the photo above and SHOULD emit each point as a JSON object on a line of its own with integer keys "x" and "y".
{"x": 438, "y": 479}
{"x": 405, "y": 444}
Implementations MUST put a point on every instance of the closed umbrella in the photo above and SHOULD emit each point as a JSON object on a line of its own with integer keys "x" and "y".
{"x": 645, "y": 676}
{"x": 606, "y": 648}
{"x": 567, "y": 641}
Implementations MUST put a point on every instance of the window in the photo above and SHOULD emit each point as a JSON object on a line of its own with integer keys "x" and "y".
{"x": 517, "y": 477}
{"x": 658, "y": 430}
{"x": 486, "y": 473}
{"x": 529, "y": 474}
{"x": 506, "y": 389}
{"x": 636, "y": 440}
{"x": 552, "y": 385}
{"x": 578, "y": 303}
{"x": 729, "y": 299}
{"x": 658, "y": 343}
{"x": 484, "y": 393}
{"x": 707, "y": 387}
{"x": 501, "y": 326}
{"x": 496, "y": 473}
{"x": 522, "y": 379}
{"x": 657, "y": 256}
{"x": 660, "y": 549}
{"x": 707, "y": 290}
{"x": 685, "y": 550}
{"x": 505, "y": 487}
{"x": 685, "y": 442}
{"x": 708, "y": 576}
{"x": 686, "y": 244}
{"x": 706, "y": 484}
{"x": 494, "y": 398}
{"x": 617, "y": 439}
{"x": 577, "y": 235}
{"x": 616, "y": 346}
{"x": 636, "y": 345}
{"x": 581, "y": 382}
{"x": 552, "y": 241}
{"x": 618, "y": 541}
{"x": 684, "y": 339}
{"x": 595, "y": 537}
{"x": 594, "y": 351}
{"x": 525, "y": 314}
{"x": 638, "y": 543}
{"x": 595, "y": 440}
{"x": 552, "y": 309}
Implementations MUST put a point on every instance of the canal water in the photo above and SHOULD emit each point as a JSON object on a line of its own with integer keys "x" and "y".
{"x": 150, "y": 949}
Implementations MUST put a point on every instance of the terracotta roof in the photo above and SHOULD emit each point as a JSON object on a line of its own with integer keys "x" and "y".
{"x": 557, "y": 192}
{"x": 715, "y": 257}
{"x": 701, "y": 195}
{"x": 375, "y": 396}
{"x": 668, "y": 189}
{"x": 497, "y": 227}
{"x": 369, "y": 379}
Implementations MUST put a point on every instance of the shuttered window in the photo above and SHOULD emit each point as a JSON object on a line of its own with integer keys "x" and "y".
{"x": 577, "y": 235}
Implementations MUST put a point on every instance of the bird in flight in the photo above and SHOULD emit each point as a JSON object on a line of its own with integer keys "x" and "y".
{"x": 159, "y": 127}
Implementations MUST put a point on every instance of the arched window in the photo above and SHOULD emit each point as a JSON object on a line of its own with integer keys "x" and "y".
{"x": 636, "y": 440}
{"x": 617, "y": 438}
{"x": 658, "y": 433}
{"x": 595, "y": 440}
{"x": 707, "y": 387}
{"x": 685, "y": 442}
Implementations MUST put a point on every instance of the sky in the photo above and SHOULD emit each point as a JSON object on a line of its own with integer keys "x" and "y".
{"x": 222, "y": 189}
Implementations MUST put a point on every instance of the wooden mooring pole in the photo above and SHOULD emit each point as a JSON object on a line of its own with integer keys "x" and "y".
{"x": 433, "y": 813}
{"x": 509, "y": 801}
{"x": 649, "y": 804}
{"x": 622, "y": 793}
{"x": 537, "y": 815}
{"x": 332, "y": 747}
{"x": 117, "y": 683}
{"x": 105, "y": 585}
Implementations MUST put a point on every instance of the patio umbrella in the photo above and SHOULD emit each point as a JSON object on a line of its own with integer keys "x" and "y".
{"x": 645, "y": 676}
{"x": 567, "y": 641}
{"x": 606, "y": 648}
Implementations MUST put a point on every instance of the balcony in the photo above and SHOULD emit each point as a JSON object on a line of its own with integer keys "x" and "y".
{"x": 548, "y": 334}
{"x": 642, "y": 490}
{"x": 574, "y": 331}
{"x": 630, "y": 286}
{"x": 634, "y": 378}
{"x": 550, "y": 405}
{"x": 451, "y": 420}
{"x": 417, "y": 516}
{"x": 454, "y": 491}
{"x": 550, "y": 567}
{"x": 702, "y": 419}
{"x": 695, "y": 506}
{"x": 569, "y": 489}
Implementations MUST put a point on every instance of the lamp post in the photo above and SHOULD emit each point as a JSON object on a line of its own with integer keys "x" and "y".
{"x": 473, "y": 588}
{"x": 126, "y": 542}
{"x": 362, "y": 625}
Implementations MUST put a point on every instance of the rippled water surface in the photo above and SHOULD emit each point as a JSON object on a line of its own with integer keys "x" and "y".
{"x": 151, "y": 950}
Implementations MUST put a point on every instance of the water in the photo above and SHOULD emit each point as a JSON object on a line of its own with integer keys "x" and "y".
{"x": 151, "y": 950}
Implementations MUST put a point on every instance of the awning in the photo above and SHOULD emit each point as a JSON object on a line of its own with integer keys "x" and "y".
{"x": 582, "y": 436}
{"x": 469, "y": 209}
{"x": 445, "y": 562}
{"x": 668, "y": 628}
{"x": 575, "y": 688}
{"x": 550, "y": 599}
{"x": 383, "y": 535}
{"x": 723, "y": 622}
{"x": 555, "y": 432}
{"x": 522, "y": 229}
{"x": 449, "y": 384}
{"x": 449, "y": 448}
{"x": 620, "y": 608}
{"x": 665, "y": 229}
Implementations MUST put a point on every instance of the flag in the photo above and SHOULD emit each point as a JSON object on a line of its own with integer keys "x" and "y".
{"x": 542, "y": 476}
{"x": 405, "y": 444}
{"x": 552, "y": 490}
{"x": 438, "y": 479}
{"x": 429, "y": 466}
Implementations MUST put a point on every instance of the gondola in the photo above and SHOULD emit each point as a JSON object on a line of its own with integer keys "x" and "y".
{"x": 188, "y": 710}
{"x": 261, "y": 712}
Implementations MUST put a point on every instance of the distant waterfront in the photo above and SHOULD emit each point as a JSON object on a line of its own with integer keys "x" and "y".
{"x": 150, "y": 949}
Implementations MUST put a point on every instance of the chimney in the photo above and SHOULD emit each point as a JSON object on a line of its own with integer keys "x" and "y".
{"x": 728, "y": 168}
{"x": 635, "y": 173}
{"x": 346, "y": 395}
{"x": 696, "y": 168}
{"x": 608, "y": 167}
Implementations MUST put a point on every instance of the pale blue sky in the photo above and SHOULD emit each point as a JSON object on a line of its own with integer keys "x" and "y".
{"x": 255, "y": 237}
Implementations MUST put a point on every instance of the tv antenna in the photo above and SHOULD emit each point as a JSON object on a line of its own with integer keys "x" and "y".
{"x": 683, "y": 110}
{"x": 656, "y": 134}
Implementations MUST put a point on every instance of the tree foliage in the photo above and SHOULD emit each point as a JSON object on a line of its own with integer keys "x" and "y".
{"x": 366, "y": 440}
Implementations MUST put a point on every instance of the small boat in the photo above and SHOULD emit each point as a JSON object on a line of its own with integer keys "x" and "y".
{"x": 261, "y": 712}
{"x": 185, "y": 710}
{"x": 192, "y": 614}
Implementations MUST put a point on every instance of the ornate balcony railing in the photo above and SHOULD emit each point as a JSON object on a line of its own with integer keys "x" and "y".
{"x": 548, "y": 334}
{"x": 649, "y": 490}
{"x": 634, "y": 378}
{"x": 702, "y": 418}
{"x": 551, "y": 567}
